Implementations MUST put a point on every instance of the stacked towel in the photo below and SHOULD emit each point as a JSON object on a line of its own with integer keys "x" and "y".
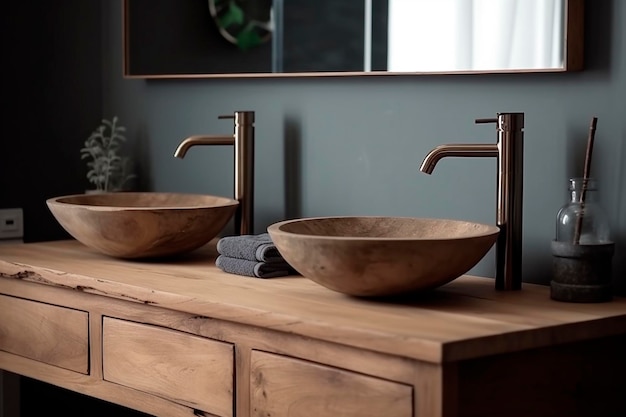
{"x": 252, "y": 256}
{"x": 259, "y": 248}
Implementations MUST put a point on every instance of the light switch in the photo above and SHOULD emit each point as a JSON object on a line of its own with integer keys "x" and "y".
{"x": 11, "y": 223}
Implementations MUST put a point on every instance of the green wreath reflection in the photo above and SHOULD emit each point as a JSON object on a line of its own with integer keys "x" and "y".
{"x": 245, "y": 23}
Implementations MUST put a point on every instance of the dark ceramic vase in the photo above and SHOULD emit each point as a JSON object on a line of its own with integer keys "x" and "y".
{"x": 581, "y": 273}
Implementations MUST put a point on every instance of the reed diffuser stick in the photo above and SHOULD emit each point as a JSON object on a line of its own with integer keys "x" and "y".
{"x": 586, "y": 173}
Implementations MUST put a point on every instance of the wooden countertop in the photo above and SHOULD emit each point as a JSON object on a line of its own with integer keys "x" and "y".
{"x": 464, "y": 319}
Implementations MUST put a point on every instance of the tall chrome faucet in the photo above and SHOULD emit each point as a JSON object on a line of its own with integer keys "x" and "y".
{"x": 243, "y": 141}
{"x": 509, "y": 150}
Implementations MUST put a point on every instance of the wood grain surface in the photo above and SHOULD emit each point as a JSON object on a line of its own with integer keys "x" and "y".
{"x": 465, "y": 319}
{"x": 50, "y": 334}
{"x": 191, "y": 370}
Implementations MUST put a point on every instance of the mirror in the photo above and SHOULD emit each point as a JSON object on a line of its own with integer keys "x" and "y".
{"x": 257, "y": 38}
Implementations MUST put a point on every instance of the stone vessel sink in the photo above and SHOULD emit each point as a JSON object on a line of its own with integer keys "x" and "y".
{"x": 380, "y": 256}
{"x": 142, "y": 224}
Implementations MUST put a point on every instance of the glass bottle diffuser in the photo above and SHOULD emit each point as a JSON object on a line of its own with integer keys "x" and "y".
{"x": 582, "y": 220}
{"x": 582, "y": 248}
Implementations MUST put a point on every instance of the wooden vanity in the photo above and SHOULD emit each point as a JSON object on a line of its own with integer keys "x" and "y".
{"x": 182, "y": 338}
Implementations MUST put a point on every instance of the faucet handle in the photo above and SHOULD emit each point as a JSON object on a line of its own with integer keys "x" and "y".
{"x": 506, "y": 121}
{"x": 486, "y": 120}
{"x": 240, "y": 117}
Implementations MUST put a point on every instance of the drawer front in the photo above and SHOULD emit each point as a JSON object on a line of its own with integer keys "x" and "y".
{"x": 50, "y": 334}
{"x": 187, "y": 369}
{"x": 281, "y": 386}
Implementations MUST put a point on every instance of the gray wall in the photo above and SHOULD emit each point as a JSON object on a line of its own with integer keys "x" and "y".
{"x": 337, "y": 146}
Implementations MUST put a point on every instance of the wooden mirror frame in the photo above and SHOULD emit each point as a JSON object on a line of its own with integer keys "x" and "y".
{"x": 132, "y": 47}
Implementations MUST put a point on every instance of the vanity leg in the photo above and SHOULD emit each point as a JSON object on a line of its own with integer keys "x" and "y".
{"x": 9, "y": 394}
{"x": 436, "y": 388}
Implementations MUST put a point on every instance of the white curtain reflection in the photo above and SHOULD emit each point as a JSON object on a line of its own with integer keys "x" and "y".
{"x": 443, "y": 35}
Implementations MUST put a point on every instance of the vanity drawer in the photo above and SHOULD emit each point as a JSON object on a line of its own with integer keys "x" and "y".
{"x": 281, "y": 386}
{"x": 187, "y": 369}
{"x": 50, "y": 334}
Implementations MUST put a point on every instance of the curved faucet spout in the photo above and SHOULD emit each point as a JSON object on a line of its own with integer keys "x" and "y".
{"x": 463, "y": 150}
{"x": 242, "y": 140}
{"x": 187, "y": 143}
{"x": 509, "y": 151}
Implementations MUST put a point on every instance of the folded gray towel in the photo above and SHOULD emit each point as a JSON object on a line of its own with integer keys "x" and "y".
{"x": 258, "y": 248}
{"x": 253, "y": 269}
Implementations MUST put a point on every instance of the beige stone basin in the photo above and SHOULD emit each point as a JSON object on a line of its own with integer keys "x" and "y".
{"x": 142, "y": 225}
{"x": 376, "y": 256}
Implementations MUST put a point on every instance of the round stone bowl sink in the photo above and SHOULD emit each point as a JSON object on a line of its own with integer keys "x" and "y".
{"x": 381, "y": 256}
{"x": 142, "y": 224}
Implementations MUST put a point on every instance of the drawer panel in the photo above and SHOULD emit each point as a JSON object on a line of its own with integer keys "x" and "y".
{"x": 281, "y": 386}
{"x": 187, "y": 369}
{"x": 50, "y": 334}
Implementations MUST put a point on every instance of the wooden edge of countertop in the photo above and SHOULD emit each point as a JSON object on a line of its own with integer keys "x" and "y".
{"x": 464, "y": 319}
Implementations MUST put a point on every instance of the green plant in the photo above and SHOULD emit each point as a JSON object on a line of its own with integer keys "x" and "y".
{"x": 108, "y": 171}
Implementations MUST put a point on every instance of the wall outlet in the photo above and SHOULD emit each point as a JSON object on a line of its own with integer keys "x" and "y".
{"x": 11, "y": 223}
